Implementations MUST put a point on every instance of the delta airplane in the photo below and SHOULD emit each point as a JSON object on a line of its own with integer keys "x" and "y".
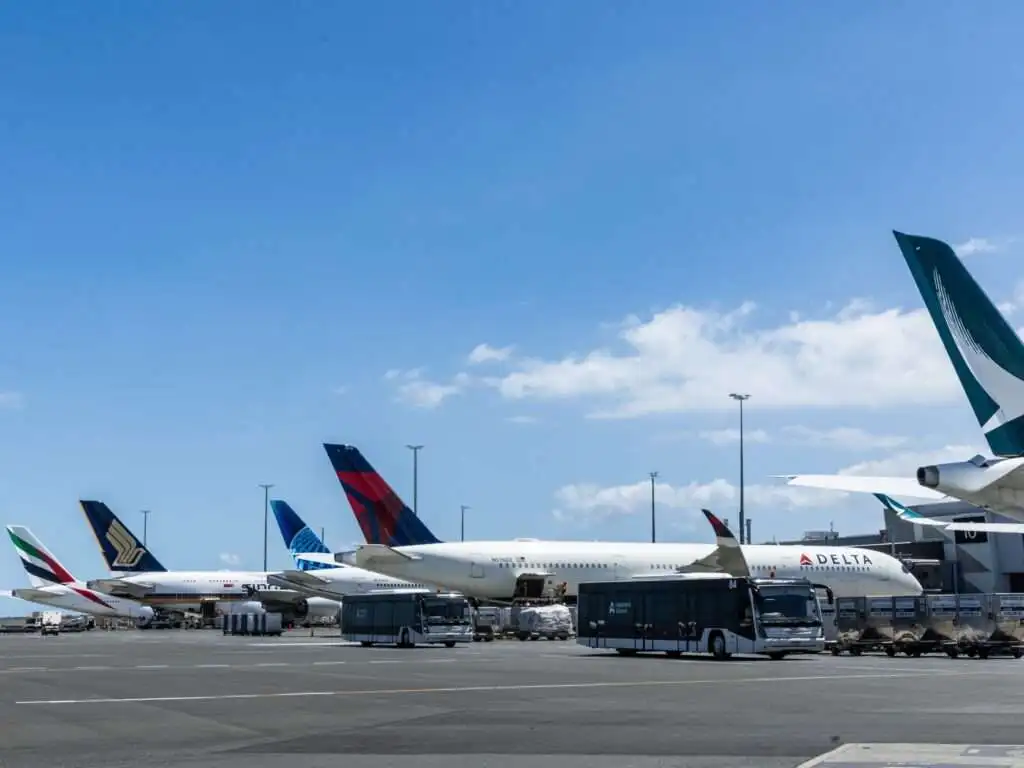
{"x": 988, "y": 358}
{"x": 137, "y": 574}
{"x": 327, "y": 580}
{"x": 499, "y": 571}
{"x": 53, "y": 584}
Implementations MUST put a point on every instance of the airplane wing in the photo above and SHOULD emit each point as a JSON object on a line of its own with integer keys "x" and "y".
{"x": 890, "y": 486}
{"x": 29, "y": 594}
{"x": 727, "y": 557}
{"x": 905, "y": 513}
{"x": 287, "y": 596}
{"x": 120, "y": 587}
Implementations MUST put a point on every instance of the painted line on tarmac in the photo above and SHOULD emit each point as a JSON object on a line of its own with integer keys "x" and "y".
{"x": 493, "y": 688}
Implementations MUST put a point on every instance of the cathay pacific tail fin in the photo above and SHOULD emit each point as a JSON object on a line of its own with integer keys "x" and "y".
{"x": 986, "y": 353}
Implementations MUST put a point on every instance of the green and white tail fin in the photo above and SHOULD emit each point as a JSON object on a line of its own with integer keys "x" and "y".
{"x": 42, "y": 567}
{"x": 986, "y": 353}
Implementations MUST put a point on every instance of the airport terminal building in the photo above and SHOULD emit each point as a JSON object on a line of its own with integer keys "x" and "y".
{"x": 961, "y": 562}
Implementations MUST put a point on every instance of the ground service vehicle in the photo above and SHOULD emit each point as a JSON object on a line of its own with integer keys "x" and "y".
{"x": 701, "y": 613}
{"x": 406, "y": 618}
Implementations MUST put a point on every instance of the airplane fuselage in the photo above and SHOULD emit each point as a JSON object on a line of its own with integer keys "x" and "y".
{"x": 79, "y": 598}
{"x": 490, "y": 570}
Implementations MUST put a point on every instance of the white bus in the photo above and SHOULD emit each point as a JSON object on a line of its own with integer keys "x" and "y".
{"x": 701, "y": 613}
{"x": 406, "y": 618}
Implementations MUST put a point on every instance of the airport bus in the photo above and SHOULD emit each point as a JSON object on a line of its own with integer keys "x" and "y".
{"x": 701, "y": 613}
{"x": 406, "y": 618}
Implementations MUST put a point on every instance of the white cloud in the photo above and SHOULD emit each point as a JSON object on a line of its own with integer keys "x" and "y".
{"x": 851, "y": 438}
{"x": 341, "y": 390}
{"x": 583, "y": 502}
{"x": 728, "y": 436}
{"x": 414, "y": 390}
{"x": 484, "y": 353}
{"x": 975, "y": 245}
{"x": 684, "y": 359}
{"x": 522, "y": 419}
{"x": 905, "y": 463}
{"x": 230, "y": 559}
{"x": 590, "y": 502}
{"x": 11, "y": 400}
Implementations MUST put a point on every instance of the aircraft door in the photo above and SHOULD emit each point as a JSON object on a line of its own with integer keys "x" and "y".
{"x": 476, "y": 571}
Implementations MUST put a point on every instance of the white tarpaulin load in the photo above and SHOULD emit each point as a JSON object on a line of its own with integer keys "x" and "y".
{"x": 545, "y": 619}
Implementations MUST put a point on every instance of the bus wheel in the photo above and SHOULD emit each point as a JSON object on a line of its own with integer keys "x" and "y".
{"x": 403, "y": 639}
{"x": 776, "y": 655}
{"x": 716, "y": 646}
{"x": 449, "y": 644}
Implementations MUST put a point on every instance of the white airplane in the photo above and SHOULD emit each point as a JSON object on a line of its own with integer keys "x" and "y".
{"x": 53, "y": 585}
{"x": 325, "y": 580}
{"x": 297, "y": 596}
{"x": 402, "y": 546}
{"x": 988, "y": 358}
{"x": 905, "y": 513}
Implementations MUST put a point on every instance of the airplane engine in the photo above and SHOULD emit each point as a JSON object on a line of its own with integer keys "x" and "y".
{"x": 959, "y": 477}
{"x": 300, "y": 608}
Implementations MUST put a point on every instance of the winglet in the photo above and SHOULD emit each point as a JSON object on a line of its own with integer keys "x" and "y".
{"x": 727, "y": 557}
{"x": 721, "y": 529}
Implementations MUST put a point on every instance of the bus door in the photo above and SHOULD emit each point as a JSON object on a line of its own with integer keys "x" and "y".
{"x": 648, "y": 619}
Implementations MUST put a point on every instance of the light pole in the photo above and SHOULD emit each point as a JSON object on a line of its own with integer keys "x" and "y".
{"x": 415, "y": 477}
{"x": 266, "y": 514}
{"x": 145, "y": 525}
{"x": 743, "y": 517}
{"x": 462, "y": 525}
{"x": 653, "y": 476}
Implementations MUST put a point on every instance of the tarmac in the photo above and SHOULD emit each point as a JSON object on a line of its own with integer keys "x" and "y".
{"x": 198, "y": 698}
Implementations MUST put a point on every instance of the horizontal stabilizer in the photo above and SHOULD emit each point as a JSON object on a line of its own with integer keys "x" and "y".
{"x": 120, "y": 587}
{"x": 31, "y": 595}
{"x": 891, "y": 486}
{"x": 368, "y": 555}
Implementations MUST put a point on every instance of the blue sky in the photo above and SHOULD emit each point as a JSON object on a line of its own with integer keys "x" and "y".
{"x": 229, "y": 236}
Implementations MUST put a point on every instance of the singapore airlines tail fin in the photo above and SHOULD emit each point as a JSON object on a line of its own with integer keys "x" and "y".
{"x": 122, "y": 550}
{"x": 383, "y": 517}
{"x": 42, "y": 567}
{"x": 727, "y": 557}
{"x": 299, "y": 537}
{"x": 986, "y": 353}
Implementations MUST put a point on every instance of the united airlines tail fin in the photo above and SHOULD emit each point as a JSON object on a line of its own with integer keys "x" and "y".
{"x": 121, "y": 549}
{"x": 382, "y": 515}
{"x": 298, "y": 537}
{"x": 727, "y": 557}
{"x": 42, "y": 567}
{"x": 985, "y": 351}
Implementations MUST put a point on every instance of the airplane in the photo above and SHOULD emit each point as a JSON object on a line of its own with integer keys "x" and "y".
{"x": 53, "y": 584}
{"x": 137, "y": 574}
{"x": 501, "y": 571}
{"x": 324, "y": 579}
{"x": 988, "y": 358}
{"x": 905, "y": 513}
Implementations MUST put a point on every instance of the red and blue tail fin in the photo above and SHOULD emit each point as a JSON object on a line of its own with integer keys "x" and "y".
{"x": 382, "y": 515}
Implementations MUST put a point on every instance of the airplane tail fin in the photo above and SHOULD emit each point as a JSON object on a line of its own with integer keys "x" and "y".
{"x": 298, "y": 537}
{"x": 986, "y": 353}
{"x": 122, "y": 550}
{"x": 42, "y": 567}
{"x": 382, "y": 515}
{"x": 727, "y": 557}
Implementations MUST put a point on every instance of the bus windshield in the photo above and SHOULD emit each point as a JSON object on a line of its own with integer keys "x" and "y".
{"x": 445, "y": 611}
{"x": 787, "y": 605}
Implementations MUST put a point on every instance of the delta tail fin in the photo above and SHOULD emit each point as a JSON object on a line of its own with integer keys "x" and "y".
{"x": 727, "y": 557}
{"x": 42, "y": 567}
{"x": 122, "y": 550}
{"x": 298, "y": 537}
{"x": 986, "y": 353}
{"x": 381, "y": 514}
